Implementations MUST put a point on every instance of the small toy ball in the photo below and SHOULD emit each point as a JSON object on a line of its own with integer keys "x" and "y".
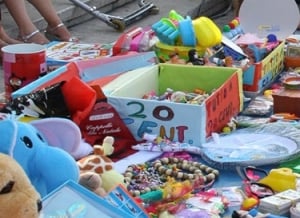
{"x": 226, "y": 28}
{"x": 236, "y": 22}
{"x": 272, "y": 38}
{"x": 232, "y": 25}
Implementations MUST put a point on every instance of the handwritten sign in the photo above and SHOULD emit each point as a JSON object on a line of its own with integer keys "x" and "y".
{"x": 176, "y": 121}
{"x": 222, "y": 105}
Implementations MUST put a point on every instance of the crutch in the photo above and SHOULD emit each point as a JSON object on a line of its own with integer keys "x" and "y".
{"x": 117, "y": 22}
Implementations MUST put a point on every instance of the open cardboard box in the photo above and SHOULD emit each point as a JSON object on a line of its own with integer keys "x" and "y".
{"x": 190, "y": 123}
{"x": 90, "y": 70}
{"x": 261, "y": 74}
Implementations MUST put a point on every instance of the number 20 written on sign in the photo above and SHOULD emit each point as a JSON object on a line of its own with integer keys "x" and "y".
{"x": 160, "y": 113}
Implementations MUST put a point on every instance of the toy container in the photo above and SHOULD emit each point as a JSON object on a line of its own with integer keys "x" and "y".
{"x": 163, "y": 50}
{"x": 261, "y": 74}
{"x": 190, "y": 123}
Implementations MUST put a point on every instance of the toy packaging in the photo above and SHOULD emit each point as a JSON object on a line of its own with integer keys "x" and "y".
{"x": 72, "y": 200}
{"x": 279, "y": 203}
{"x": 60, "y": 53}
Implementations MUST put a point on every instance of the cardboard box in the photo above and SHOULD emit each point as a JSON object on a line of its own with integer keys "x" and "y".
{"x": 287, "y": 101}
{"x": 190, "y": 123}
{"x": 90, "y": 71}
{"x": 260, "y": 75}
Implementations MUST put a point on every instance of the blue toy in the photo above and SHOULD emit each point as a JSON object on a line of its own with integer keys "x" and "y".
{"x": 46, "y": 166}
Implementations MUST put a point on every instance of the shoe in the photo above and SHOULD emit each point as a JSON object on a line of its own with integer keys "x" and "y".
{"x": 53, "y": 34}
{"x": 34, "y": 37}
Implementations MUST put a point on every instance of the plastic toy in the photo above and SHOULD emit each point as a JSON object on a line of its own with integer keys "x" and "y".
{"x": 175, "y": 59}
{"x": 249, "y": 203}
{"x": 187, "y": 32}
{"x": 207, "y": 32}
{"x": 232, "y": 29}
{"x": 166, "y": 30}
{"x": 32, "y": 146}
{"x": 18, "y": 197}
{"x": 280, "y": 179}
{"x": 194, "y": 58}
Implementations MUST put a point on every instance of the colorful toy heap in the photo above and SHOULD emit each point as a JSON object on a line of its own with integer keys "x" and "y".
{"x": 180, "y": 34}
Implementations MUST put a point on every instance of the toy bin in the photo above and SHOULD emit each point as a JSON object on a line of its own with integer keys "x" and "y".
{"x": 261, "y": 74}
{"x": 190, "y": 123}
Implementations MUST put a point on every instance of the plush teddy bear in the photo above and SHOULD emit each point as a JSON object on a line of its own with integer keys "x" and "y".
{"x": 45, "y": 149}
{"x": 18, "y": 197}
{"x": 99, "y": 163}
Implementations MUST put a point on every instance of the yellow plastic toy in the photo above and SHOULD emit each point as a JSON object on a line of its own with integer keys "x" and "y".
{"x": 280, "y": 179}
{"x": 207, "y": 32}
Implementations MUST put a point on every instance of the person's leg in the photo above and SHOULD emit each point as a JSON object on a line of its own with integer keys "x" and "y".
{"x": 27, "y": 30}
{"x": 5, "y": 38}
{"x": 236, "y": 6}
{"x": 55, "y": 26}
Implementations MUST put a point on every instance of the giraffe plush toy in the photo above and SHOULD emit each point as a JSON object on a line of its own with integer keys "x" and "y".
{"x": 99, "y": 163}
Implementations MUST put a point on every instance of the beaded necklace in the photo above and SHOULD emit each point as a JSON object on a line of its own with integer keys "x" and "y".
{"x": 151, "y": 176}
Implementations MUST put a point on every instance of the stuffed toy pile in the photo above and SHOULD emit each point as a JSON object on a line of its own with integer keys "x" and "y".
{"x": 18, "y": 197}
{"x": 46, "y": 149}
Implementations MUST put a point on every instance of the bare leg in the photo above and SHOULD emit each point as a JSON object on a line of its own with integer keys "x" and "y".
{"x": 236, "y": 6}
{"x": 18, "y": 11}
{"x": 5, "y": 39}
{"x": 55, "y": 27}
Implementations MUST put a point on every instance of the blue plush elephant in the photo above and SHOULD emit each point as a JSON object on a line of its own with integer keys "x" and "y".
{"x": 48, "y": 166}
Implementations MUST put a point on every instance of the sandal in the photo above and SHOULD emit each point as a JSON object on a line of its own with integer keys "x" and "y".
{"x": 34, "y": 37}
{"x": 56, "y": 34}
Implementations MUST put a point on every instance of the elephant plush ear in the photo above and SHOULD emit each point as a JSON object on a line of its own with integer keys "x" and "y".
{"x": 8, "y": 134}
{"x": 63, "y": 133}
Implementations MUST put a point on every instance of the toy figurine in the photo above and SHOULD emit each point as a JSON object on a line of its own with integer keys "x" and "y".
{"x": 194, "y": 58}
{"x": 175, "y": 59}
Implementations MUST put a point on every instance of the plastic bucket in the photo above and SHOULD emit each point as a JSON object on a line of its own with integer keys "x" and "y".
{"x": 22, "y": 64}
